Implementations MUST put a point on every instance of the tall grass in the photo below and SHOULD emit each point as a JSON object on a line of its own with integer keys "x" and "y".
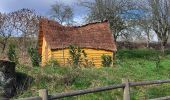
{"x": 136, "y": 65}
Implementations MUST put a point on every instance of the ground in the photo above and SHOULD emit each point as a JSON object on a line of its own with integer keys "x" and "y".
{"x": 135, "y": 65}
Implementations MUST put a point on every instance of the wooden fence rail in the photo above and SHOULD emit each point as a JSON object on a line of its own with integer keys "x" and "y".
{"x": 43, "y": 93}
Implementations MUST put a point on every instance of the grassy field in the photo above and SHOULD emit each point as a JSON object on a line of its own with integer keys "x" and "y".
{"x": 136, "y": 65}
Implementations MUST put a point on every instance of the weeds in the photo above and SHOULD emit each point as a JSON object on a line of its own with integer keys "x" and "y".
{"x": 12, "y": 53}
{"x": 136, "y": 68}
{"x": 52, "y": 63}
{"x": 35, "y": 57}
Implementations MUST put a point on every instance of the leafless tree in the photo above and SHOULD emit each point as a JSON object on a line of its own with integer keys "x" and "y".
{"x": 132, "y": 34}
{"x": 160, "y": 14}
{"x": 145, "y": 24}
{"x": 62, "y": 13}
{"x": 6, "y": 30}
{"x": 110, "y": 10}
{"x": 26, "y": 24}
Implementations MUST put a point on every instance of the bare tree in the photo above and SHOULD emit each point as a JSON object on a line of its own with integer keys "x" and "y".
{"x": 110, "y": 10}
{"x": 26, "y": 24}
{"x": 160, "y": 14}
{"x": 133, "y": 34}
{"x": 145, "y": 24}
{"x": 62, "y": 13}
{"x": 6, "y": 30}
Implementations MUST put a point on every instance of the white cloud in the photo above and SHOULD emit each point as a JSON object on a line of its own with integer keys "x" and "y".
{"x": 42, "y": 7}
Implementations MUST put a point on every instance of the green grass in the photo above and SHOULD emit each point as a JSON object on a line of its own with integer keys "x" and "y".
{"x": 136, "y": 65}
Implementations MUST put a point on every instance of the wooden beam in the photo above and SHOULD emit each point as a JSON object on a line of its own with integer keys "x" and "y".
{"x": 30, "y": 98}
{"x": 162, "y": 98}
{"x": 148, "y": 82}
{"x": 126, "y": 94}
{"x": 43, "y": 93}
{"x": 86, "y": 91}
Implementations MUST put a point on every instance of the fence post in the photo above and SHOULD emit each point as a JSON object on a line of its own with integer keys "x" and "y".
{"x": 43, "y": 93}
{"x": 126, "y": 94}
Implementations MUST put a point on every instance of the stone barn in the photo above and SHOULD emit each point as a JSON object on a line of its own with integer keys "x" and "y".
{"x": 94, "y": 38}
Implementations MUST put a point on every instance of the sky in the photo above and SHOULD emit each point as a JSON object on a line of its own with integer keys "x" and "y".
{"x": 42, "y": 7}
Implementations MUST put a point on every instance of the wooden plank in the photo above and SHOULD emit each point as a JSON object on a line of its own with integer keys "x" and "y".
{"x": 86, "y": 91}
{"x": 126, "y": 94}
{"x": 162, "y": 98}
{"x": 30, "y": 98}
{"x": 43, "y": 93}
{"x": 148, "y": 82}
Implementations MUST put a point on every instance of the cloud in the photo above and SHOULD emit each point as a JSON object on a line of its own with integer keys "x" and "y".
{"x": 42, "y": 7}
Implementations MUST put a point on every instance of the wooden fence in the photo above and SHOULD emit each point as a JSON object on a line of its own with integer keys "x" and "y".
{"x": 43, "y": 93}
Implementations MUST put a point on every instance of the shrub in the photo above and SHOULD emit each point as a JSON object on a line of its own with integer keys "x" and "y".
{"x": 12, "y": 53}
{"x": 79, "y": 57}
{"x": 106, "y": 60}
{"x": 75, "y": 54}
{"x": 35, "y": 57}
{"x": 52, "y": 63}
{"x": 137, "y": 53}
{"x": 86, "y": 62}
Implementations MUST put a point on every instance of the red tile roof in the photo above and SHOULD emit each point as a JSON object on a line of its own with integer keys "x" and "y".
{"x": 93, "y": 35}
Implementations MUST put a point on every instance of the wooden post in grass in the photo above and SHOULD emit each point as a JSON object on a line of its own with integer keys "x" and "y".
{"x": 43, "y": 93}
{"x": 126, "y": 93}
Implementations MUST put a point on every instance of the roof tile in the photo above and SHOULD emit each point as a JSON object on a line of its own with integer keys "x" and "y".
{"x": 93, "y": 35}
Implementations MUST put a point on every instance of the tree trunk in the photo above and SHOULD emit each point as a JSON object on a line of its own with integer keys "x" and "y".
{"x": 163, "y": 44}
{"x": 3, "y": 47}
{"x": 148, "y": 40}
{"x": 148, "y": 44}
{"x": 148, "y": 37}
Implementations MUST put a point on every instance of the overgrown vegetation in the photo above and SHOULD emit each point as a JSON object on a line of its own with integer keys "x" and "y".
{"x": 53, "y": 63}
{"x": 75, "y": 54}
{"x": 35, "y": 57}
{"x": 106, "y": 60}
{"x": 136, "y": 67}
{"x": 78, "y": 57}
{"x": 12, "y": 56}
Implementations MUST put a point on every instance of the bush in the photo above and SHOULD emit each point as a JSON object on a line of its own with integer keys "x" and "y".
{"x": 75, "y": 54}
{"x": 85, "y": 61}
{"x": 52, "y": 63}
{"x": 12, "y": 53}
{"x": 106, "y": 60}
{"x": 137, "y": 53}
{"x": 78, "y": 57}
{"x": 35, "y": 57}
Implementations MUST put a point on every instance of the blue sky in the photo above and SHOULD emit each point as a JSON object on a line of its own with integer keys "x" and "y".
{"x": 42, "y": 7}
